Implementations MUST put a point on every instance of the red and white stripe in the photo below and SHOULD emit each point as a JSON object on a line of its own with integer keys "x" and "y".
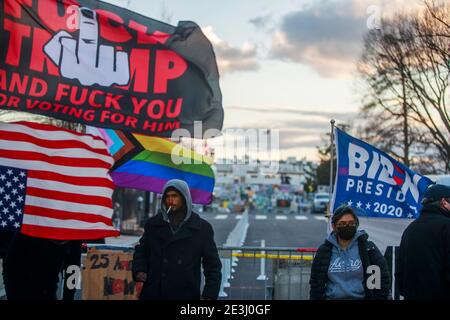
{"x": 69, "y": 189}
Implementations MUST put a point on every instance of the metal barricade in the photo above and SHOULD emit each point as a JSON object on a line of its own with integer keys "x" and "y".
{"x": 266, "y": 273}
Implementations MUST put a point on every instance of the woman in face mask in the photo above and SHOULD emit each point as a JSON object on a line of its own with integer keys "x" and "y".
{"x": 347, "y": 265}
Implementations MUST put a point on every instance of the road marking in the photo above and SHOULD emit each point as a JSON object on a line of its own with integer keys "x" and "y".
{"x": 281, "y": 217}
{"x": 301, "y": 218}
{"x": 221, "y": 216}
{"x": 238, "y": 217}
{"x": 260, "y": 217}
{"x": 320, "y": 218}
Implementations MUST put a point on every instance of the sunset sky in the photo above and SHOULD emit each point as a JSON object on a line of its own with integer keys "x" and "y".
{"x": 285, "y": 64}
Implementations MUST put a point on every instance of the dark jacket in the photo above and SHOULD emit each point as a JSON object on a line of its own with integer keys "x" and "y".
{"x": 32, "y": 267}
{"x": 173, "y": 261}
{"x": 369, "y": 254}
{"x": 6, "y": 239}
{"x": 423, "y": 270}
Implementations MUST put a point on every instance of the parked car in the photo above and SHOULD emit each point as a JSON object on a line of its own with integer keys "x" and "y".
{"x": 320, "y": 202}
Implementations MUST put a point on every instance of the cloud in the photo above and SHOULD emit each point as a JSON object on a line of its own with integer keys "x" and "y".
{"x": 288, "y": 138}
{"x": 230, "y": 58}
{"x": 296, "y": 128}
{"x": 289, "y": 141}
{"x": 304, "y": 124}
{"x": 327, "y": 35}
{"x": 292, "y": 133}
{"x": 322, "y": 114}
{"x": 300, "y": 125}
{"x": 261, "y": 22}
{"x": 324, "y": 36}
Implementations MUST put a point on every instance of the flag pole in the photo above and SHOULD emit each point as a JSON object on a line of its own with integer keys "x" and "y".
{"x": 332, "y": 122}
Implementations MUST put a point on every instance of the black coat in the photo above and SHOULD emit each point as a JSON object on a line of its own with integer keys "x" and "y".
{"x": 423, "y": 270}
{"x": 173, "y": 261}
{"x": 369, "y": 254}
{"x": 6, "y": 239}
{"x": 32, "y": 267}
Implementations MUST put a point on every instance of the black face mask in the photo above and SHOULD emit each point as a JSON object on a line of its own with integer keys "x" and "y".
{"x": 346, "y": 233}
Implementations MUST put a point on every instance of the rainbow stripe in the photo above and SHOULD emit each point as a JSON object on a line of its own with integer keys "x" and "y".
{"x": 160, "y": 161}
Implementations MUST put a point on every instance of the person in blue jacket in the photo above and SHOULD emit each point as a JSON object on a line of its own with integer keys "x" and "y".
{"x": 340, "y": 269}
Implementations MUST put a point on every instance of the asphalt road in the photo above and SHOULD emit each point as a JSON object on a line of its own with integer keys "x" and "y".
{"x": 275, "y": 230}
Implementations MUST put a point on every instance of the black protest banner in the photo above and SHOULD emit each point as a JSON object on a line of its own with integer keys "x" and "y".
{"x": 90, "y": 62}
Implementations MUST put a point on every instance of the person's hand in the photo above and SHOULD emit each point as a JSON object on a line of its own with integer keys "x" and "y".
{"x": 141, "y": 277}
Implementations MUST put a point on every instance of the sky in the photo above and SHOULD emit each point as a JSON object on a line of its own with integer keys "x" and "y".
{"x": 286, "y": 65}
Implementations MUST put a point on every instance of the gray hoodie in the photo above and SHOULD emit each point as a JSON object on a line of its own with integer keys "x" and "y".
{"x": 183, "y": 188}
{"x": 345, "y": 273}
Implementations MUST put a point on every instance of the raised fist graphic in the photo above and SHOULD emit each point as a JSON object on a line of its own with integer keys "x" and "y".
{"x": 84, "y": 59}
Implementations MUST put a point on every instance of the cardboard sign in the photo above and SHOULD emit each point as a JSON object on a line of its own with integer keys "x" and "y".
{"x": 107, "y": 276}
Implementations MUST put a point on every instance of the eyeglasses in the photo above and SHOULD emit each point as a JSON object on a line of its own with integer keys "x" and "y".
{"x": 345, "y": 224}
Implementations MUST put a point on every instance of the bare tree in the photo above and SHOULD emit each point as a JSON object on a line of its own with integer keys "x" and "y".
{"x": 385, "y": 104}
{"x": 405, "y": 66}
{"x": 428, "y": 72}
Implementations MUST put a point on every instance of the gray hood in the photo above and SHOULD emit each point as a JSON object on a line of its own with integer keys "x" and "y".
{"x": 183, "y": 188}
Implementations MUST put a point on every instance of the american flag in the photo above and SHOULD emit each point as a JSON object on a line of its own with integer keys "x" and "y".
{"x": 12, "y": 197}
{"x": 54, "y": 183}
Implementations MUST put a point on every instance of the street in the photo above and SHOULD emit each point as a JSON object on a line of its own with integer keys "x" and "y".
{"x": 301, "y": 230}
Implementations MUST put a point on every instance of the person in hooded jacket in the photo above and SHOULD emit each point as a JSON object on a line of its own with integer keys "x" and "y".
{"x": 175, "y": 244}
{"x": 340, "y": 269}
{"x": 423, "y": 270}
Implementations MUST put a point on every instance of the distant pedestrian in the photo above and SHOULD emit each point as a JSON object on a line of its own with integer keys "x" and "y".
{"x": 293, "y": 206}
{"x": 340, "y": 267}
{"x": 175, "y": 244}
{"x": 424, "y": 256}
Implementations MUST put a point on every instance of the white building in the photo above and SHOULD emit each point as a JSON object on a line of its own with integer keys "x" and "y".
{"x": 290, "y": 172}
